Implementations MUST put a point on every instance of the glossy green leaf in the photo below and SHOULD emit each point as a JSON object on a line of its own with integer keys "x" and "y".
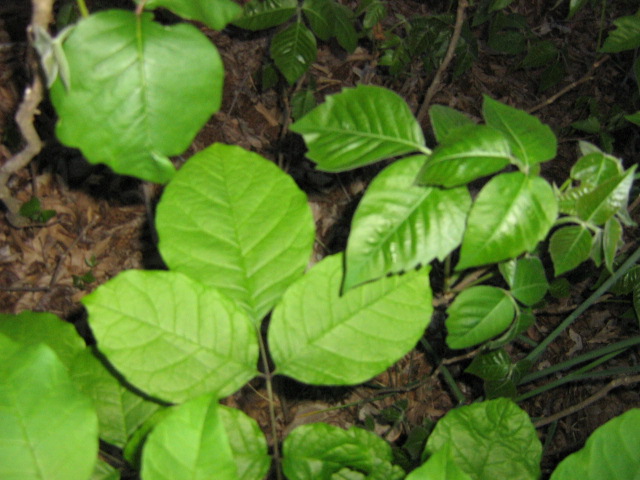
{"x": 439, "y": 466}
{"x": 478, "y": 314}
{"x": 120, "y": 411}
{"x": 36, "y": 327}
{"x": 319, "y": 451}
{"x": 163, "y": 84}
{"x": 531, "y": 141}
{"x": 611, "y": 241}
{"x": 490, "y": 440}
{"x": 399, "y": 225}
{"x": 319, "y": 337}
{"x": 343, "y": 27}
{"x": 171, "y": 336}
{"x": 214, "y": 13}
{"x": 601, "y": 203}
{"x": 611, "y": 452}
{"x": 234, "y": 220}
{"x": 262, "y": 14}
{"x": 190, "y": 442}
{"x": 527, "y": 279}
{"x": 319, "y": 15}
{"x": 359, "y": 126}
{"x": 595, "y": 168}
{"x": 626, "y": 36}
{"x": 511, "y": 214}
{"x": 469, "y": 153}
{"x": 569, "y": 247}
{"x": 48, "y": 429}
{"x": 248, "y": 445}
{"x": 494, "y": 365}
{"x": 294, "y": 50}
{"x": 524, "y": 319}
{"x": 446, "y": 120}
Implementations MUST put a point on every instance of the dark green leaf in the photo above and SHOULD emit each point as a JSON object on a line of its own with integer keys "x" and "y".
{"x": 343, "y": 27}
{"x": 302, "y": 102}
{"x": 262, "y": 14}
{"x": 540, "y": 54}
{"x": 569, "y": 247}
{"x": 319, "y": 14}
{"x": 214, "y": 13}
{"x": 626, "y": 36}
{"x": 499, "y": 4}
{"x": 294, "y": 50}
{"x": 527, "y": 279}
{"x": 494, "y": 365}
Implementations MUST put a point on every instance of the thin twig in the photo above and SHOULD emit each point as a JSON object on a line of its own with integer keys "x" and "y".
{"x": 437, "y": 79}
{"x": 618, "y": 382}
{"x": 587, "y": 76}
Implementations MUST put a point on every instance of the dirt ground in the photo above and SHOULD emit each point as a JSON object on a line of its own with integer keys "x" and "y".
{"x": 102, "y": 219}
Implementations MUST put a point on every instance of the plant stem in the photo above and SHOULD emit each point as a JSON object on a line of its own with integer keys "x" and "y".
{"x": 539, "y": 350}
{"x": 82, "y": 6}
{"x": 445, "y": 372}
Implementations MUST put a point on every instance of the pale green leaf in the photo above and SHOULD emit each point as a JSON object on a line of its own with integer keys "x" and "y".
{"x": 511, "y": 214}
{"x": 467, "y": 154}
{"x": 531, "y": 141}
{"x": 399, "y": 225}
{"x": 569, "y": 247}
{"x": 446, "y": 120}
{"x": 526, "y": 278}
{"x": 318, "y": 451}
{"x": 104, "y": 471}
{"x": 48, "y": 429}
{"x": 439, "y": 466}
{"x": 234, "y": 220}
{"x": 601, "y": 203}
{"x": 38, "y": 327}
{"x": 120, "y": 411}
{"x": 611, "y": 452}
{"x": 214, "y": 13}
{"x": 294, "y": 50}
{"x": 626, "y": 36}
{"x": 173, "y": 337}
{"x": 262, "y": 14}
{"x": 319, "y": 337}
{"x": 139, "y": 93}
{"x": 478, "y": 314}
{"x": 190, "y": 443}
{"x": 494, "y": 439}
{"x": 611, "y": 241}
{"x": 359, "y": 126}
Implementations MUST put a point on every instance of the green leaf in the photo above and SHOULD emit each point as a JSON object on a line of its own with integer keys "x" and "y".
{"x": 319, "y": 15}
{"x": 31, "y": 328}
{"x": 540, "y": 54}
{"x": 627, "y": 282}
{"x": 626, "y": 36}
{"x": 478, "y": 314}
{"x": 262, "y": 14}
{"x": 610, "y": 452}
{"x": 531, "y": 141}
{"x": 248, "y": 445}
{"x": 48, "y": 430}
{"x": 399, "y": 225}
{"x": 527, "y": 279}
{"x": 319, "y": 337}
{"x": 214, "y": 13}
{"x": 511, "y": 214}
{"x": 318, "y": 451}
{"x": 446, "y": 120}
{"x": 611, "y": 241}
{"x": 499, "y": 4}
{"x": 494, "y": 365}
{"x": 302, "y": 102}
{"x": 171, "y": 336}
{"x": 120, "y": 411}
{"x": 490, "y": 440}
{"x": 235, "y": 221}
{"x": 575, "y": 6}
{"x": 374, "y": 12}
{"x": 343, "y": 27}
{"x": 634, "y": 117}
{"x": 569, "y": 247}
{"x": 104, "y": 471}
{"x": 600, "y": 204}
{"x": 439, "y": 466}
{"x": 467, "y": 154}
{"x": 190, "y": 442}
{"x": 163, "y": 84}
{"x": 595, "y": 168}
{"x": 294, "y": 50}
{"x": 359, "y": 126}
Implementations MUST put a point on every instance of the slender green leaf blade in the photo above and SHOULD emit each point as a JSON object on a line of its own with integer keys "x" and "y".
{"x": 190, "y": 442}
{"x": 319, "y": 451}
{"x": 235, "y": 221}
{"x": 531, "y": 141}
{"x": 359, "y": 126}
{"x": 569, "y": 247}
{"x": 319, "y": 337}
{"x": 611, "y": 241}
{"x": 626, "y": 36}
{"x": 511, "y": 214}
{"x": 478, "y": 314}
{"x": 163, "y": 84}
{"x": 468, "y": 153}
{"x": 48, "y": 429}
{"x": 171, "y": 336}
{"x": 489, "y": 440}
{"x": 610, "y": 452}
{"x": 120, "y": 411}
{"x": 446, "y": 120}
{"x": 399, "y": 225}
{"x": 294, "y": 50}
{"x": 600, "y": 204}
{"x": 214, "y": 13}
{"x": 262, "y": 14}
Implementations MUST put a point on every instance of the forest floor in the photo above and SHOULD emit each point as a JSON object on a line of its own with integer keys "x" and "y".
{"x": 102, "y": 225}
